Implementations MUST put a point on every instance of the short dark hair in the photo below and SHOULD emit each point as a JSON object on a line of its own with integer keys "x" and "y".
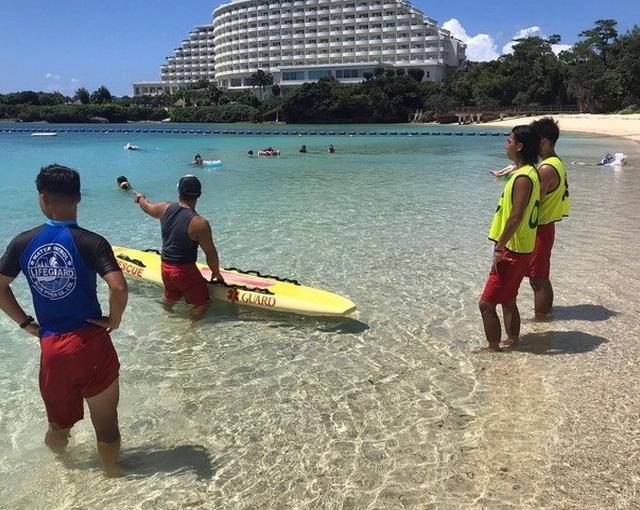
{"x": 59, "y": 181}
{"x": 189, "y": 187}
{"x": 547, "y": 128}
{"x": 530, "y": 141}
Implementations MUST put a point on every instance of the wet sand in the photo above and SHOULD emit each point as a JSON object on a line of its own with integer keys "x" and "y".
{"x": 562, "y": 424}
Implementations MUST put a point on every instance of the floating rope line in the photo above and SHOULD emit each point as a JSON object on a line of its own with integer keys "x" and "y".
{"x": 246, "y": 133}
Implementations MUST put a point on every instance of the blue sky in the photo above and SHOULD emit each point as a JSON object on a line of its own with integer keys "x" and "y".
{"x": 64, "y": 44}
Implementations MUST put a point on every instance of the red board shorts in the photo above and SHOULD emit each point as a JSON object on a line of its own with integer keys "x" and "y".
{"x": 73, "y": 366}
{"x": 540, "y": 266}
{"x": 502, "y": 286}
{"x": 184, "y": 280}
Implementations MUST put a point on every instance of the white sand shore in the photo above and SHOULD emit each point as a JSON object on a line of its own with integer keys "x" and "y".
{"x": 626, "y": 126}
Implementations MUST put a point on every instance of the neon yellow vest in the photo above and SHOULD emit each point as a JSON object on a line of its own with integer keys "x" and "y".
{"x": 555, "y": 205}
{"x": 524, "y": 238}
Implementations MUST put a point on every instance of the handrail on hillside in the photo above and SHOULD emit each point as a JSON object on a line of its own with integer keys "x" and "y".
{"x": 554, "y": 108}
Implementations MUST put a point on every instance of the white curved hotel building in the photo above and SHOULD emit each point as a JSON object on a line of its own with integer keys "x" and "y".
{"x": 192, "y": 61}
{"x": 299, "y": 41}
{"x": 304, "y": 40}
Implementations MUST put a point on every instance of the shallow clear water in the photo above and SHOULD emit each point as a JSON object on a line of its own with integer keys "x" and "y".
{"x": 257, "y": 410}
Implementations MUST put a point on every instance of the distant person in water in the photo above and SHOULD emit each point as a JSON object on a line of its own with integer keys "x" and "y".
{"x": 609, "y": 159}
{"x": 197, "y": 160}
{"x": 303, "y": 149}
{"x": 250, "y": 153}
{"x": 331, "y": 149}
{"x": 269, "y": 151}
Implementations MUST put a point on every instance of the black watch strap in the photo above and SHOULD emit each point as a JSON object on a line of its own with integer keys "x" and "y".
{"x": 27, "y": 321}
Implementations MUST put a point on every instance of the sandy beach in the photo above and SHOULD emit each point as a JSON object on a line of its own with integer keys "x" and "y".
{"x": 626, "y": 126}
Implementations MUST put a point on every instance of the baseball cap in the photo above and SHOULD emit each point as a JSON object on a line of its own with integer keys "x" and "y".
{"x": 190, "y": 186}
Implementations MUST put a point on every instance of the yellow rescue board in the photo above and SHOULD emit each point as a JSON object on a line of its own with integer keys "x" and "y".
{"x": 243, "y": 288}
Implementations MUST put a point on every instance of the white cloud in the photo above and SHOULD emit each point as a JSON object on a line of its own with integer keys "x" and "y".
{"x": 56, "y": 83}
{"x": 523, "y": 33}
{"x": 480, "y": 47}
{"x": 557, "y": 48}
{"x": 483, "y": 47}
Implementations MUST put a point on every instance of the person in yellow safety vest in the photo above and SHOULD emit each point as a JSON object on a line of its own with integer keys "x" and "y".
{"x": 554, "y": 205}
{"x": 513, "y": 231}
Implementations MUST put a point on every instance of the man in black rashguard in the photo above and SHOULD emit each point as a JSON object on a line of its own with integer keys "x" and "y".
{"x": 78, "y": 362}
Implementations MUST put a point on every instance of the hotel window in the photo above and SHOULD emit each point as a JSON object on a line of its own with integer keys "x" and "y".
{"x": 347, "y": 73}
{"x": 292, "y": 75}
{"x": 317, "y": 75}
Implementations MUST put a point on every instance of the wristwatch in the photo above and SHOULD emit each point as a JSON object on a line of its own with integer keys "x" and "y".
{"x": 27, "y": 321}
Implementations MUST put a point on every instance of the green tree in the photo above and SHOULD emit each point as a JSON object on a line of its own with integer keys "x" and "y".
{"x": 261, "y": 80}
{"x": 202, "y": 83}
{"x": 101, "y": 96}
{"x": 82, "y": 95}
{"x": 593, "y": 78}
{"x": 628, "y": 64}
{"x": 416, "y": 74}
{"x": 601, "y": 36}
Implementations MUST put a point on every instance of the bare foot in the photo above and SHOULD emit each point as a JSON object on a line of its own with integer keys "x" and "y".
{"x": 114, "y": 471}
{"x": 543, "y": 317}
{"x": 509, "y": 343}
{"x": 489, "y": 350}
{"x": 108, "y": 455}
{"x": 57, "y": 440}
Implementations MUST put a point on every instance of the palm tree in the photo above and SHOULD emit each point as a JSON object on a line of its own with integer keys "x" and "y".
{"x": 261, "y": 79}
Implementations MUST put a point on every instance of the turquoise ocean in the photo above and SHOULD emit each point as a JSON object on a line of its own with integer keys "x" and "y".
{"x": 247, "y": 409}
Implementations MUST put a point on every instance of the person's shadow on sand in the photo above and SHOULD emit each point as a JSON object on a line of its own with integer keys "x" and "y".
{"x": 147, "y": 461}
{"x": 591, "y": 313}
{"x": 559, "y": 342}
{"x": 143, "y": 462}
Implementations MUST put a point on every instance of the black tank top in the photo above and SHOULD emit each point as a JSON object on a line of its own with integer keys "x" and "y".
{"x": 177, "y": 246}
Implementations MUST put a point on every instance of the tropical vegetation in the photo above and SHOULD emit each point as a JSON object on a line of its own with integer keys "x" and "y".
{"x": 601, "y": 73}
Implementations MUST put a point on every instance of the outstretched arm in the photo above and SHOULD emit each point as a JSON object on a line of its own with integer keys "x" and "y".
{"x": 200, "y": 230}
{"x": 154, "y": 210}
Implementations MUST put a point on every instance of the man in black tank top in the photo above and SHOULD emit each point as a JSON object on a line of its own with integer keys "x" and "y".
{"x": 183, "y": 230}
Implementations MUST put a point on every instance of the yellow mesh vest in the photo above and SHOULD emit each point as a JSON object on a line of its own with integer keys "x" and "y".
{"x": 524, "y": 238}
{"x": 555, "y": 205}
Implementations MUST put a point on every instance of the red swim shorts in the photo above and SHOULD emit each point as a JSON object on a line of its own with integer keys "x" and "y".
{"x": 502, "y": 286}
{"x": 540, "y": 266}
{"x": 73, "y": 366}
{"x": 184, "y": 280}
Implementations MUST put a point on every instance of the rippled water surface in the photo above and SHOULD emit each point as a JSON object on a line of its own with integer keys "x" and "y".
{"x": 387, "y": 409}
